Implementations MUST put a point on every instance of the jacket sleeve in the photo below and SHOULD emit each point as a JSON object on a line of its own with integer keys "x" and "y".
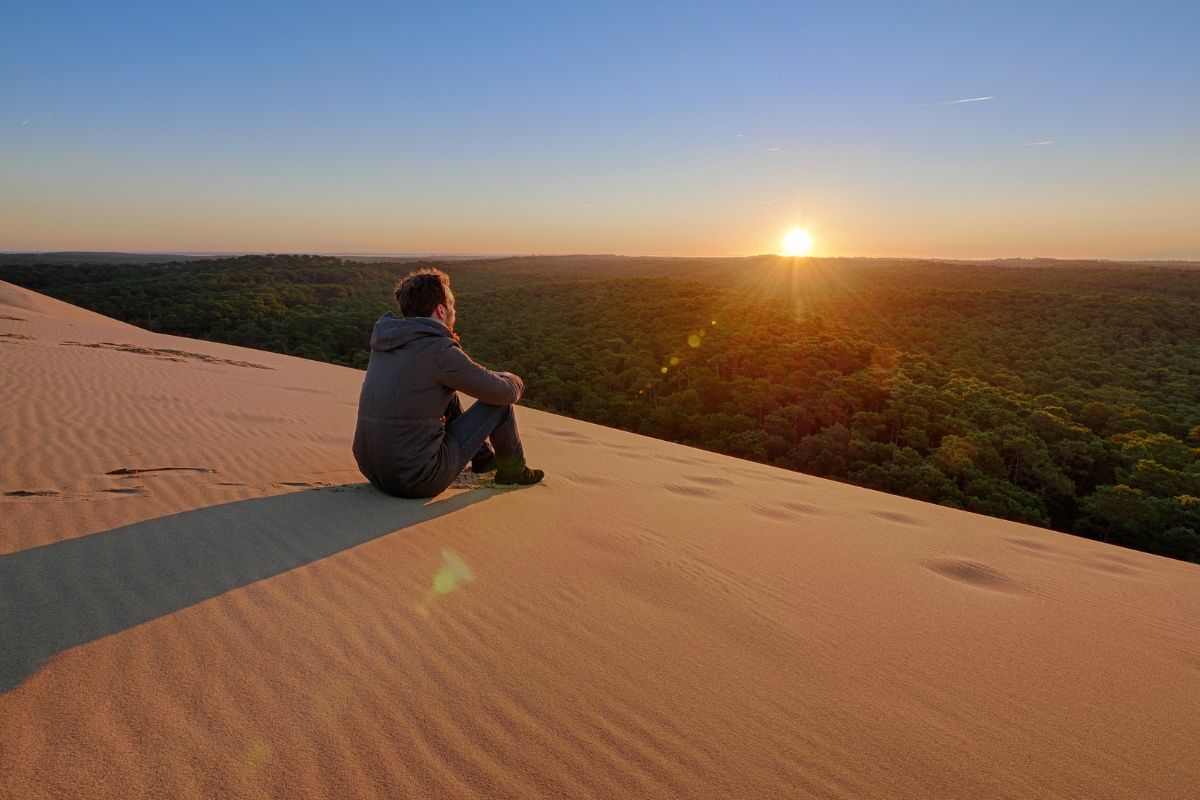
{"x": 458, "y": 371}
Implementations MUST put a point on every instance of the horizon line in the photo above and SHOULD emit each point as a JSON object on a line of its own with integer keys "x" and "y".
{"x": 525, "y": 254}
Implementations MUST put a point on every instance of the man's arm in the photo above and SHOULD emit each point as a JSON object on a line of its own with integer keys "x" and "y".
{"x": 457, "y": 370}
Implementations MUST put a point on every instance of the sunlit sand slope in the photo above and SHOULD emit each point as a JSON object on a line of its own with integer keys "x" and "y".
{"x": 200, "y": 597}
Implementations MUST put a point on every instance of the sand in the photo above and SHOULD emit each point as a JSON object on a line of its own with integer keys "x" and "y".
{"x": 201, "y": 597}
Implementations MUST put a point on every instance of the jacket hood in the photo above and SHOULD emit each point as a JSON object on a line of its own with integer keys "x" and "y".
{"x": 392, "y": 333}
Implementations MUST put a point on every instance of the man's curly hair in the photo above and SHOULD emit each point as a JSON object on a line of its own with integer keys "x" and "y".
{"x": 418, "y": 293}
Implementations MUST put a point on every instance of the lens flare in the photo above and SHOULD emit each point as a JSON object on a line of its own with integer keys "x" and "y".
{"x": 453, "y": 573}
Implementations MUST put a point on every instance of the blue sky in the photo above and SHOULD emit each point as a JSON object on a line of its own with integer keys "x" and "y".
{"x": 704, "y": 128}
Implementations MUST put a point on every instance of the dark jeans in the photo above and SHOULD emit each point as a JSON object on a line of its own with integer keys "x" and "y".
{"x": 472, "y": 428}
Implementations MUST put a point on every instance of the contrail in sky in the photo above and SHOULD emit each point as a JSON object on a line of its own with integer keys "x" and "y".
{"x": 968, "y": 100}
{"x": 1032, "y": 144}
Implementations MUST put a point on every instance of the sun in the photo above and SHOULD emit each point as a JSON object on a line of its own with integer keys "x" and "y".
{"x": 797, "y": 242}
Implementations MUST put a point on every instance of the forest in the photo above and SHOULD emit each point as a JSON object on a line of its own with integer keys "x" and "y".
{"x": 1060, "y": 394}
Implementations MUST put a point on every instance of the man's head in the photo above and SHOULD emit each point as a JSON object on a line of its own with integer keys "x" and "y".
{"x": 426, "y": 293}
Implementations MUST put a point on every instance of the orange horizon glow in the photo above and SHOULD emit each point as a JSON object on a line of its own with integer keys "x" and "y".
{"x": 46, "y": 221}
{"x": 161, "y": 231}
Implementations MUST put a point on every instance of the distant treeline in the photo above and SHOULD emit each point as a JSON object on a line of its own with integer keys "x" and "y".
{"x": 1062, "y": 396}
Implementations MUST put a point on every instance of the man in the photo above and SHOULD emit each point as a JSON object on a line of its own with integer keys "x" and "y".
{"x": 413, "y": 437}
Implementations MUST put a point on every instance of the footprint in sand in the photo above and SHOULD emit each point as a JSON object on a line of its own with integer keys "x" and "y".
{"x": 589, "y": 479}
{"x": 788, "y": 510}
{"x": 709, "y": 480}
{"x": 1111, "y": 567}
{"x": 892, "y": 516}
{"x": 770, "y": 512}
{"x": 679, "y": 460}
{"x": 140, "y": 470}
{"x": 802, "y": 508}
{"x": 309, "y": 390}
{"x": 166, "y": 354}
{"x": 1115, "y": 558}
{"x": 690, "y": 491}
{"x": 972, "y": 573}
{"x": 570, "y": 436}
{"x": 1100, "y": 562}
{"x": 1031, "y": 544}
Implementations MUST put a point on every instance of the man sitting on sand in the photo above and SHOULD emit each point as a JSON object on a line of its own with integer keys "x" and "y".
{"x": 413, "y": 438}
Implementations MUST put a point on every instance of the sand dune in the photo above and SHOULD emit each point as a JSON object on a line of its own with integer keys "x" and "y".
{"x": 200, "y": 597}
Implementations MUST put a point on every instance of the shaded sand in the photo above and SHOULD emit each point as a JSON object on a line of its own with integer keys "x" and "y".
{"x": 199, "y": 597}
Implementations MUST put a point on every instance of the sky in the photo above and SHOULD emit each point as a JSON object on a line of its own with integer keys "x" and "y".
{"x": 650, "y": 128}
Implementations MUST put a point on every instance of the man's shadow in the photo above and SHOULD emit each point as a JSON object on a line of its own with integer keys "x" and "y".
{"x": 65, "y": 594}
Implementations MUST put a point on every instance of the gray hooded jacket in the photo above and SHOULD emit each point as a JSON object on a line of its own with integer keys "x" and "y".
{"x": 401, "y": 443}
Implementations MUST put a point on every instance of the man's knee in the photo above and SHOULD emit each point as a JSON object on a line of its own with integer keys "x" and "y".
{"x": 506, "y": 410}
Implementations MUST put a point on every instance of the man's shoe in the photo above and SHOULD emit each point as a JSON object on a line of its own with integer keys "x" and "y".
{"x": 525, "y": 477}
{"x": 486, "y": 465}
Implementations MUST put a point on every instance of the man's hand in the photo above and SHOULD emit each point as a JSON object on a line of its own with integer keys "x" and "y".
{"x": 516, "y": 379}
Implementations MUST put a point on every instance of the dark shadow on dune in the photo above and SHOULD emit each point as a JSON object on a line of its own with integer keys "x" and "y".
{"x": 62, "y": 595}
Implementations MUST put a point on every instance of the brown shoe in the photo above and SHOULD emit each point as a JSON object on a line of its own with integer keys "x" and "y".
{"x": 525, "y": 477}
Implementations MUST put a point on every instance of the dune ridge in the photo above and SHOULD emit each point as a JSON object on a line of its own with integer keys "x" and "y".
{"x": 201, "y": 597}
